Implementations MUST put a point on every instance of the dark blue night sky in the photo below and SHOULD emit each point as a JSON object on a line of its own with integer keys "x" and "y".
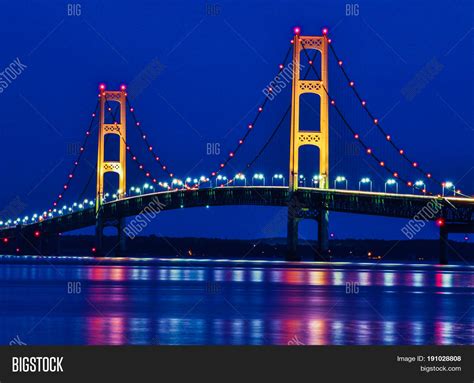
{"x": 216, "y": 57}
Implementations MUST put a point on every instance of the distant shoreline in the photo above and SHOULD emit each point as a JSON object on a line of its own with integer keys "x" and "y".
{"x": 70, "y": 260}
{"x": 418, "y": 251}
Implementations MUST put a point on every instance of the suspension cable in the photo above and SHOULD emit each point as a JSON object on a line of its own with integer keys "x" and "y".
{"x": 231, "y": 154}
{"x": 276, "y": 129}
{"x": 132, "y": 155}
{"x": 76, "y": 162}
{"x": 368, "y": 150}
{"x": 376, "y": 122}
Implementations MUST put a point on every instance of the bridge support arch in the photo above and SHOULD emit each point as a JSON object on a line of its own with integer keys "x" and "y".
{"x": 119, "y": 128}
{"x": 300, "y": 138}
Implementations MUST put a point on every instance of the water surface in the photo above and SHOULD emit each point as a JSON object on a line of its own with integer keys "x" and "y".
{"x": 220, "y": 302}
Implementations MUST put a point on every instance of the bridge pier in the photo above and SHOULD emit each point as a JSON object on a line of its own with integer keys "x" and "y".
{"x": 444, "y": 231}
{"x": 323, "y": 236}
{"x": 99, "y": 234}
{"x": 443, "y": 245}
{"x": 121, "y": 245}
{"x": 122, "y": 238}
{"x": 296, "y": 213}
{"x": 292, "y": 238}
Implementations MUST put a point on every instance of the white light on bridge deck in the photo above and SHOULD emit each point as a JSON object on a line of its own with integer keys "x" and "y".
{"x": 240, "y": 177}
{"x": 302, "y": 179}
{"x": 316, "y": 178}
{"x": 366, "y": 180}
{"x": 448, "y": 185}
{"x": 259, "y": 176}
{"x": 340, "y": 179}
{"x": 420, "y": 183}
{"x": 391, "y": 182}
{"x": 221, "y": 178}
{"x": 279, "y": 177}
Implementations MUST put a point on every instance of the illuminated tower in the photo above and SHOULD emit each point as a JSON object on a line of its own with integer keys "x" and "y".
{"x": 119, "y": 126}
{"x": 319, "y": 138}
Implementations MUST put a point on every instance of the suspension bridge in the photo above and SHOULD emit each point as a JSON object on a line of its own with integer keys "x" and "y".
{"x": 423, "y": 198}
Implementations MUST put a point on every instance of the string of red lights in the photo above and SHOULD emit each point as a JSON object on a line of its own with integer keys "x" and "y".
{"x": 149, "y": 146}
{"x": 251, "y": 125}
{"x": 376, "y": 122}
{"x": 355, "y": 135}
{"x": 76, "y": 162}
{"x": 133, "y": 156}
{"x": 231, "y": 154}
{"x": 142, "y": 168}
{"x": 275, "y": 130}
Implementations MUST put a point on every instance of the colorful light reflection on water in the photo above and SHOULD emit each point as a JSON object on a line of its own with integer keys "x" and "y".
{"x": 219, "y": 303}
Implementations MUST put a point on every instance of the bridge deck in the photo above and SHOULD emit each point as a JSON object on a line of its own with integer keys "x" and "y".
{"x": 453, "y": 209}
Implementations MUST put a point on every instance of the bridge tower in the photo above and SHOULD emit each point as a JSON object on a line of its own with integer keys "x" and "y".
{"x": 300, "y": 138}
{"x": 118, "y": 127}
